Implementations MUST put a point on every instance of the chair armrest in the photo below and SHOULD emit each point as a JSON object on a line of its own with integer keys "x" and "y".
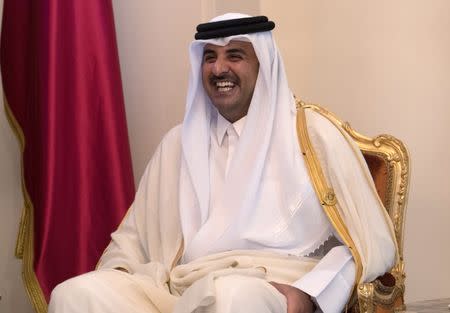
{"x": 383, "y": 295}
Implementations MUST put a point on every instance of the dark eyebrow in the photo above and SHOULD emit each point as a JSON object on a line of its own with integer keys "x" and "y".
{"x": 207, "y": 51}
{"x": 236, "y": 50}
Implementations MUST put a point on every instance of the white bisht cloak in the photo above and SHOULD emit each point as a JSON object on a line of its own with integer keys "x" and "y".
{"x": 149, "y": 242}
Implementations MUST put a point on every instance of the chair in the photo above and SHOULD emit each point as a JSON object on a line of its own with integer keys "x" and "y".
{"x": 388, "y": 162}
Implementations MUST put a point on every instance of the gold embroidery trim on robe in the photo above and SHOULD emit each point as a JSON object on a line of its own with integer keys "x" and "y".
{"x": 325, "y": 193}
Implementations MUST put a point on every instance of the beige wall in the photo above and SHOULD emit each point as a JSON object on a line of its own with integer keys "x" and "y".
{"x": 153, "y": 67}
{"x": 382, "y": 65}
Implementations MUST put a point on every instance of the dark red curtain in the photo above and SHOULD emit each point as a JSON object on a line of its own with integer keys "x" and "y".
{"x": 63, "y": 96}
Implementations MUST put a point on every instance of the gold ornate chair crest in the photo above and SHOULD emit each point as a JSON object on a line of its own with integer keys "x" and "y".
{"x": 388, "y": 162}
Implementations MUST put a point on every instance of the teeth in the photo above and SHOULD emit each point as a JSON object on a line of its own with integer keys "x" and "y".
{"x": 224, "y": 84}
{"x": 224, "y": 89}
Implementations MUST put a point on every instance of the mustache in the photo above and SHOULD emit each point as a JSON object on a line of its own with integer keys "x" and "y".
{"x": 223, "y": 77}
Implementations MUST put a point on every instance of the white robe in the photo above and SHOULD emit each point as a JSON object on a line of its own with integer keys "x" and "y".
{"x": 149, "y": 241}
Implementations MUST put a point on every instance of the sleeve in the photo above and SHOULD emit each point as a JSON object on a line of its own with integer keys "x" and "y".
{"x": 331, "y": 281}
{"x": 359, "y": 205}
{"x": 125, "y": 251}
{"x": 149, "y": 237}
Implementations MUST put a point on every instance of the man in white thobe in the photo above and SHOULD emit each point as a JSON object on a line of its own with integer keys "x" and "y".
{"x": 226, "y": 217}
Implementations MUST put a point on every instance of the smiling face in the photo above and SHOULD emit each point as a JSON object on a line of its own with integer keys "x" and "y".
{"x": 229, "y": 76}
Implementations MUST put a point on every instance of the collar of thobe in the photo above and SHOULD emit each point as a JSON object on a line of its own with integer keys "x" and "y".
{"x": 223, "y": 125}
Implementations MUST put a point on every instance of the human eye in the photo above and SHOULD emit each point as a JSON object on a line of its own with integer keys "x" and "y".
{"x": 235, "y": 57}
{"x": 208, "y": 57}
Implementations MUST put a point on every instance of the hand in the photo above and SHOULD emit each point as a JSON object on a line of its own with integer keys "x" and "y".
{"x": 297, "y": 300}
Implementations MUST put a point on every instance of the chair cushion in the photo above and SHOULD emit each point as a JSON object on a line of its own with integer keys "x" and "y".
{"x": 379, "y": 170}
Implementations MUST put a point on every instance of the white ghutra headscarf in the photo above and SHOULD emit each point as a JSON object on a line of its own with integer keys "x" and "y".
{"x": 267, "y": 181}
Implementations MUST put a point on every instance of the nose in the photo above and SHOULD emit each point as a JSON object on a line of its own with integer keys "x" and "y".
{"x": 220, "y": 67}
